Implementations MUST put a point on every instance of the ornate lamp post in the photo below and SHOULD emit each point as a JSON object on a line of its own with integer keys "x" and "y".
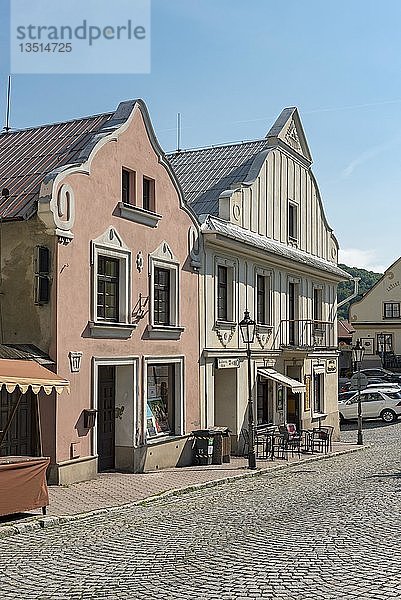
{"x": 357, "y": 356}
{"x": 247, "y": 327}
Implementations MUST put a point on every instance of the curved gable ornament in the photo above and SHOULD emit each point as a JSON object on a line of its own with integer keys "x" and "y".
{"x": 58, "y": 211}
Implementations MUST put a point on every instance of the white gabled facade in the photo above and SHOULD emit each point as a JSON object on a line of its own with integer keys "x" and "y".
{"x": 267, "y": 248}
{"x": 376, "y": 319}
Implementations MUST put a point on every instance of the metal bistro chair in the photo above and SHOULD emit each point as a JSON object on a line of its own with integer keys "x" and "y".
{"x": 263, "y": 435}
{"x": 294, "y": 438}
{"x": 321, "y": 439}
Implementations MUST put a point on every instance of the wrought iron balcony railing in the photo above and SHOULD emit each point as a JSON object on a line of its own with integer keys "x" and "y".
{"x": 305, "y": 333}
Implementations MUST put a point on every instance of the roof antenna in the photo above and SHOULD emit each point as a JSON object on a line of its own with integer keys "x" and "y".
{"x": 7, "y": 126}
{"x": 178, "y": 132}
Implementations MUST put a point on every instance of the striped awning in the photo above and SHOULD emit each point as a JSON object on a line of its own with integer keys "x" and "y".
{"x": 296, "y": 386}
{"x": 26, "y": 374}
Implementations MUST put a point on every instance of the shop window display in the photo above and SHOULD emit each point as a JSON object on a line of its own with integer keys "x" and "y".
{"x": 159, "y": 409}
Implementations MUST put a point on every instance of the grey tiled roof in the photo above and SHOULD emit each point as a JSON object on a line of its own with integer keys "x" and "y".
{"x": 27, "y": 155}
{"x": 205, "y": 173}
{"x": 213, "y": 224}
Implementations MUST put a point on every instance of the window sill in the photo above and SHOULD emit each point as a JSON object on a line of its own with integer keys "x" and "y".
{"x": 113, "y": 331}
{"x": 164, "y": 332}
{"x": 226, "y": 324}
{"x": 138, "y": 215}
{"x": 263, "y": 328}
{"x": 318, "y": 416}
{"x": 164, "y": 438}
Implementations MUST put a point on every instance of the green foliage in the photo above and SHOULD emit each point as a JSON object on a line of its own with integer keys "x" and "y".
{"x": 346, "y": 288}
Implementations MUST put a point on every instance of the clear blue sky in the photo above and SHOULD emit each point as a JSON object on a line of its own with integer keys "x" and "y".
{"x": 230, "y": 66}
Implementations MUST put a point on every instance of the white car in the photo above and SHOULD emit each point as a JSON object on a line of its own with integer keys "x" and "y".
{"x": 384, "y": 403}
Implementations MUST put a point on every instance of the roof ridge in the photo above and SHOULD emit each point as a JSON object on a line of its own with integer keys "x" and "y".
{"x": 8, "y": 133}
{"x": 225, "y": 144}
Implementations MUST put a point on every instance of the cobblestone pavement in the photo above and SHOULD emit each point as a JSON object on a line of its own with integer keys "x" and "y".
{"x": 327, "y": 530}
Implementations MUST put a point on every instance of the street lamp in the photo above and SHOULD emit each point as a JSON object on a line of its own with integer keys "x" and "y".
{"x": 247, "y": 327}
{"x": 357, "y": 356}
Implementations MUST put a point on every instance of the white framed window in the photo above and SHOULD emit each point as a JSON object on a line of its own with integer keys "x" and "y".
{"x": 263, "y": 296}
{"x": 391, "y": 310}
{"x": 163, "y": 397}
{"x": 164, "y": 292}
{"x": 225, "y": 306}
{"x": 111, "y": 286}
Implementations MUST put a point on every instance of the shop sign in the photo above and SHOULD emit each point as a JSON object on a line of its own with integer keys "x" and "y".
{"x": 307, "y": 380}
{"x": 227, "y": 363}
{"x": 331, "y": 365}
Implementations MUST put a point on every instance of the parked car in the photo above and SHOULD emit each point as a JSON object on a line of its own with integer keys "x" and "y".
{"x": 383, "y": 403}
{"x": 345, "y": 386}
{"x": 382, "y": 374}
{"x": 342, "y": 396}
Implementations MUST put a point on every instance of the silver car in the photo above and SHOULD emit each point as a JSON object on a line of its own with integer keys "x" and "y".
{"x": 384, "y": 403}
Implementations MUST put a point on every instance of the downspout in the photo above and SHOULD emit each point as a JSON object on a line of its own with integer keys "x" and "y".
{"x": 355, "y": 293}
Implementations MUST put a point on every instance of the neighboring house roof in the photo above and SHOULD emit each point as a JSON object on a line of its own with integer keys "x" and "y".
{"x": 230, "y": 230}
{"x": 27, "y": 155}
{"x": 205, "y": 173}
{"x": 24, "y": 352}
{"x": 344, "y": 329}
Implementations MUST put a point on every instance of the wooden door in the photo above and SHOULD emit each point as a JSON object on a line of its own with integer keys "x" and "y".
{"x": 106, "y": 418}
{"x": 21, "y": 439}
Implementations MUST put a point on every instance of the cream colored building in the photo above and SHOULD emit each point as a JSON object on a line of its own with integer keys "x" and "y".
{"x": 269, "y": 249}
{"x": 377, "y": 319}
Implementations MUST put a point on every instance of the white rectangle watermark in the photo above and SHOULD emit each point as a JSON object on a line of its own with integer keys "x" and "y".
{"x": 80, "y": 36}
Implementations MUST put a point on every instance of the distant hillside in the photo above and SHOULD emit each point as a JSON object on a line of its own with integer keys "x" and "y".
{"x": 346, "y": 288}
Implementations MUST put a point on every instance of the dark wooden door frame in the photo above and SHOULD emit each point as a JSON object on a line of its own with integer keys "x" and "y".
{"x": 106, "y": 417}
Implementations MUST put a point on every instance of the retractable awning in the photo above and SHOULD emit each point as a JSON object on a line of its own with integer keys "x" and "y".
{"x": 28, "y": 373}
{"x": 296, "y": 386}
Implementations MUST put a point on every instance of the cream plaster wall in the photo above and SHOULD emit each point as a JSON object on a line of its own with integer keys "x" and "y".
{"x": 263, "y": 210}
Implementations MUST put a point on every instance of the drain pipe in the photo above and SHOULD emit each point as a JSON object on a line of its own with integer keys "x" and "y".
{"x": 356, "y": 281}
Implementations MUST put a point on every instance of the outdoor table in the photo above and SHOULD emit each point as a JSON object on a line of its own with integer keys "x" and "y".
{"x": 23, "y": 484}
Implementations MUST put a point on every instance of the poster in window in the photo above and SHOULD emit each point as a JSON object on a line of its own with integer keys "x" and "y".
{"x": 280, "y": 397}
{"x": 150, "y": 423}
{"x": 307, "y": 393}
{"x": 159, "y": 410}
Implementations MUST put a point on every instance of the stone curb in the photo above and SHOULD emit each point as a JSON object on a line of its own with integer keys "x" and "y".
{"x": 45, "y": 522}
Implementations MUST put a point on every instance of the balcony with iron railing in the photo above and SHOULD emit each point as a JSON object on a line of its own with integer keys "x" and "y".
{"x": 305, "y": 334}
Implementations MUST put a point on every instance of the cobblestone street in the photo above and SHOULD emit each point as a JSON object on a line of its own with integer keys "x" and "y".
{"x": 326, "y": 530}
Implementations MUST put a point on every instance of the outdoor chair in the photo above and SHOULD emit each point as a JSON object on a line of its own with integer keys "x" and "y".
{"x": 292, "y": 438}
{"x": 263, "y": 435}
{"x": 321, "y": 439}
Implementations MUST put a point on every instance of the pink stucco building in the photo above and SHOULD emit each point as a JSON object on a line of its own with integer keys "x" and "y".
{"x": 100, "y": 260}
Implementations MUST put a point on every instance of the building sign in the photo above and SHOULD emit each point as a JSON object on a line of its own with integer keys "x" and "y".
{"x": 367, "y": 343}
{"x": 307, "y": 379}
{"x": 331, "y": 365}
{"x": 227, "y": 363}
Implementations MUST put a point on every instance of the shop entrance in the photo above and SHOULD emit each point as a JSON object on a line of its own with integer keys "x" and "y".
{"x": 293, "y": 400}
{"x": 225, "y": 398}
{"x": 264, "y": 404}
{"x": 106, "y": 417}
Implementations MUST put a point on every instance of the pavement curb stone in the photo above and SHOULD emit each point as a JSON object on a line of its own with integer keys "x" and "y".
{"x": 51, "y": 521}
